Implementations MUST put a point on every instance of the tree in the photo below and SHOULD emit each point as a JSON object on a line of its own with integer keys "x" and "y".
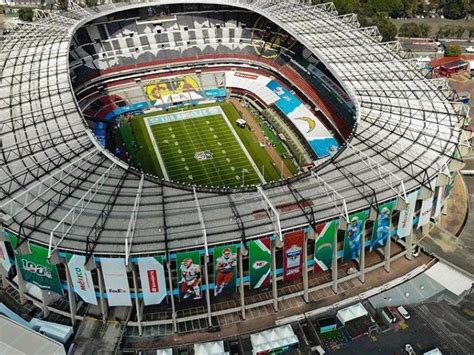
{"x": 346, "y": 6}
{"x": 63, "y": 5}
{"x": 455, "y": 9}
{"x": 26, "y": 14}
{"x": 453, "y": 50}
{"x": 409, "y": 29}
{"x": 387, "y": 28}
{"x": 425, "y": 30}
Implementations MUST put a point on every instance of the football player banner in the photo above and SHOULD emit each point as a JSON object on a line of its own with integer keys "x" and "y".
{"x": 324, "y": 245}
{"x": 152, "y": 277}
{"x": 225, "y": 269}
{"x": 36, "y": 269}
{"x": 405, "y": 220}
{"x": 382, "y": 228}
{"x": 81, "y": 278}
{"x": 188, "y": 266}
{"x": 354, "y": 235}
{"x": 4, "y": 258}
{"x": 116, "y": 281}
{"x": 260, "y": 263}
{"x": 293, "y": 255}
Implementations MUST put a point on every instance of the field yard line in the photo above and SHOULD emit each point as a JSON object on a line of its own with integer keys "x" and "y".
{"x": 254, "y": 166}
{"x": 157, "y": 151}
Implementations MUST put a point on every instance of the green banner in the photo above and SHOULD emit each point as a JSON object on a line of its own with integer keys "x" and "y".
{"x": 36, "y": 269}
{"x": 324, "y": 245}
{"x": 260, "y": 263}
{"x": 225, "y": 269}
{"x": 188, "y": 266}
{"x": 354, "y": 236}
{"x": 382, "y": 226}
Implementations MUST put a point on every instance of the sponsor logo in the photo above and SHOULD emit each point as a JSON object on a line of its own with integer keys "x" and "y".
{"x": 292, "y": 271}
{"x": 117, "y": 290}
{"x": 37, "y": 269}
{"x": 153, "y": 283}
{"x": 80, "y": 279}
{"x": 259, "y": 264}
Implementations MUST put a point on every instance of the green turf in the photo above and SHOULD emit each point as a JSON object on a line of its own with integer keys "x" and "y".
{"x": 179, "y": 141}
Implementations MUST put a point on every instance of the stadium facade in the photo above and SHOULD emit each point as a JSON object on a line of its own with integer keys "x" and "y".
{"x": 84, "y": 226}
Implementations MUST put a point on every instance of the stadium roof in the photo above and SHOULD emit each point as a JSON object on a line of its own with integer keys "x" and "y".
{"x": 60, "y": 188}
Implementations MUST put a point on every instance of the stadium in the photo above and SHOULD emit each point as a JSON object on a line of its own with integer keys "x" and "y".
{"x": 187, "y": 161}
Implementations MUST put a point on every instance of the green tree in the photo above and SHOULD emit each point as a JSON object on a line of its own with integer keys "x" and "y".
{"x": 346, "y": 6}
{"x": 425, "y": 30}
{"x": 63, "y": 5}
{"x": 453, "y": 50}
{"x": 455, "y": 9}
{"x": 387, "y": 28}
{"x": 26, "y": 14}
{"x": 409, "y": 29}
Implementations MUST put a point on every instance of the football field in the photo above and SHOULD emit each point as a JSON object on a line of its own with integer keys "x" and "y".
{"x": 201, "y": 147}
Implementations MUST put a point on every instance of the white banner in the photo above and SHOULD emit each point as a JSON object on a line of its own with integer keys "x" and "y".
{"x": 81, "y": 279}
{"x": 425, "y": 212}
{"x": 152, "y": 276}
{"x": 405, "y": 221}
{"x": 116, "y": 281}
{"x": 439, "y": 202}
{"x": 4, "y": 258}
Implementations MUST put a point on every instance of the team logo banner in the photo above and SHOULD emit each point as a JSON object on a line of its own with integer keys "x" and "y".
{"x": 36, "y": 269}
{"x": 260, "y": 263}
{"x": 382, "y": 226}
{"x": 116, "y": 281}
{"x": 81, "y": 278}
{"x": 405, "y": 221}
{"x": 4, "y": 258}
{"x": 425, "y": 211}
{"x": 225, "y": 269}
{"x": 324, "y": 245}
{"x": 189, "y": 272}
{"x": 293, "y": 255}
{"x": 354, "y": 236}
{"x": 152, "y": 277}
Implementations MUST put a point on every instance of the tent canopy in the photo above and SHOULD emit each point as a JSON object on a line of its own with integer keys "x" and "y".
{"x": 211, "y": 348}
{"x": 273, "y": 339}
{"x": 349, "y": 313}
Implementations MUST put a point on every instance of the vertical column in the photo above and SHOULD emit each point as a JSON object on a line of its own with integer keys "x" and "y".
{"x": 23, "y": 249}
{"x": 274, "y": 277}
{"x": 334, "y": 264}
{"x": 71, "y": 296}
{"x": 4, "y": 277}
{"x": 386, "y": 253}
{"x": 362, "y": 260}
{"x": 44, "y": 303}
{"x": 409, "y": 246}
{"x": 170, "y": 285}
{"x": 241, "y": 276}
{"x": 103, "y": 306}
{"x": 305, "y": 268}
{"x": 208, "y": 293}
{"x": 137, "y": 301}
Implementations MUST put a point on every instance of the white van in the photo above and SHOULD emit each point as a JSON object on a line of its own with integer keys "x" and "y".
{"x": 403, "y": 312}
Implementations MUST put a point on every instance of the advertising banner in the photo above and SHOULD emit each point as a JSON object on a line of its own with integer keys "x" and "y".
{"x": 293, "y": 255}
{"x": 324, "y": 245}
{"x": 81, "y": 278}
{"x": 260, "y": 262}
{"x": 405, "y": 220}
{"x": 189, "y": 275}
{"x": 152, "y": 277}
{"x": 36, "y": 269}
{"x": 354, "y": 235}
{"x": 439, "y": 202}
{"x": 425, "y": 211}
{"x": 225, "y": 269}
{"x": 382, "y": 226}
{"x": 116, "y": 281}
{"x": 4, "y": 258}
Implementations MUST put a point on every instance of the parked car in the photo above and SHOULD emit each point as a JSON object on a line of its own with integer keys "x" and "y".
{"x": 469, "y": 49}
{"x": 402, "y": 310}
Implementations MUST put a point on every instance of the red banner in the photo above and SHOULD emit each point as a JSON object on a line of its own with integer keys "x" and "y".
{"x": 293, "y": 255}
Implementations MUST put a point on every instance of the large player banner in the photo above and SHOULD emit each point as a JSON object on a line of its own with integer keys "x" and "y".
{"x": 260, "y": 262}
{"x": 152, "y": 277}
{"x": 225, "y": 269}
{"x": 293, "y": 255}
{"x": 81, "y": 278}
{"x": 324, "y": 245}
{"x": 36, "y": 269}
{"x": 354, "y": 236}
{"x": 382, "y": 226}
{"x": 405, "y": 220}
{"x": 439, "y": 202}
{"x": 116, "y": 281}
{"x": 425, "y": 211}
{"x": 4, "y": 258}
{"x": 188, "y": 266}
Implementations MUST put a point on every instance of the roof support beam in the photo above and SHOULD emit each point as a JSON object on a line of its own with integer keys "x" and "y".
{"x": 272, "y": 212}
{"x": 133, "y": 221}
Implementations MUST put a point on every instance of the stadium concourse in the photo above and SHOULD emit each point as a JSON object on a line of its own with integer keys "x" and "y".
{"x": 87, "y": 232}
